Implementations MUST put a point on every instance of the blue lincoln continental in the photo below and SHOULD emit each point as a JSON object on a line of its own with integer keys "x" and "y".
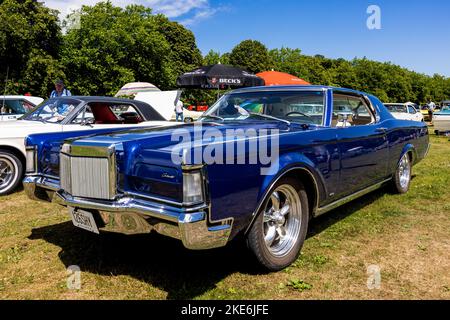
{"x": 260, "y": 163}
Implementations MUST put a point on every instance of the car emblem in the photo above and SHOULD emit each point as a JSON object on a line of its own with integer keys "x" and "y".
{"x": 167, "y": 176}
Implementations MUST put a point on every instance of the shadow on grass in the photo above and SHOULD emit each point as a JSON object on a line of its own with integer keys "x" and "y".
{"x": 318, "y": 225}
{"x": 159, "y": 261}
{"x": 165, "y": 263}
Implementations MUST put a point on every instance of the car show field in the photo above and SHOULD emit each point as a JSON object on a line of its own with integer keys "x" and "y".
{"x": 39, "y": 245}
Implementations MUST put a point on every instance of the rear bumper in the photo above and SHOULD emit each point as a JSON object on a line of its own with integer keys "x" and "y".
{"x": 130, "y": 215}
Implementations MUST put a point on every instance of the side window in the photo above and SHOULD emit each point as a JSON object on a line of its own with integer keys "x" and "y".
{"x": 350, "y": 111}
{"x": 104, "y": 113}
{"x": 85, "y": 116}
{"x": 127, "y": 113}
{"x": 411, "y": 110}
{"x": 14, "y": 106}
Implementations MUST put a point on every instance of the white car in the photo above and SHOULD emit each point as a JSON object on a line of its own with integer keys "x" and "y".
{"x": 188, "y": 115}
{"x": 165, "y": 102}
{"x": 404, "y": 111}
{"x": 13, "y": 107}
{"x": 62, "y": 115}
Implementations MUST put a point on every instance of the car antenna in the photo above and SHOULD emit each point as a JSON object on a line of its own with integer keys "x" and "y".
{"x": 4, "y": 91}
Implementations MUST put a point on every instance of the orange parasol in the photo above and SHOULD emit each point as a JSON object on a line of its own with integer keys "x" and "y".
{"x": 275, "y": 78}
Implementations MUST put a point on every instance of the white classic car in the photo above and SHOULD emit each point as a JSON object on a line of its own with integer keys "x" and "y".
{"x": 441, "y": 119}
{"x": 67, "y": 114}
{"x": 13, "y": 107}
{"x": 164, "y": 102}
{"x": 404, "y": 111}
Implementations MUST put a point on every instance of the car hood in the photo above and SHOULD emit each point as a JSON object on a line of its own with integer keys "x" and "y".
{"x": 165, "y": 138}
{"x": 23, "y": 128}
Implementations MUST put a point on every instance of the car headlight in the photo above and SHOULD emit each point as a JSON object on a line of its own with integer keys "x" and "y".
{"x": 31, "y": 154}
{"x": 193, "y": 188}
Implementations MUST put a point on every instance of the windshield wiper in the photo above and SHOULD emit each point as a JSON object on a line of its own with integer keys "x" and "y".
{"x": 270, "y": 117}
{"x": 212, "y": 117}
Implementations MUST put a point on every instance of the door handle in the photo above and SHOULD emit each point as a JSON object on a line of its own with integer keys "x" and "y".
{"x": 382, "y": 130}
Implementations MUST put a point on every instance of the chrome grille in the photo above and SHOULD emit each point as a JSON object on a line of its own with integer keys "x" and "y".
{"x": 87, "y": 177}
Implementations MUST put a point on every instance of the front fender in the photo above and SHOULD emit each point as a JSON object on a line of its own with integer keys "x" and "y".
{"x": 14, "y": 143}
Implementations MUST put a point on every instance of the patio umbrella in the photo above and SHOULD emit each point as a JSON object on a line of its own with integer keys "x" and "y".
{"x": 218, "y": 76}
{"x": 275, "y": 78}
{"x": 132, "y": 88}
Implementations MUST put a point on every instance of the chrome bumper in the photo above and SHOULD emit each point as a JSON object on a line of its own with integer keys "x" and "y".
{"x": 40, "y": 188}
{"x": 130, "y": 215}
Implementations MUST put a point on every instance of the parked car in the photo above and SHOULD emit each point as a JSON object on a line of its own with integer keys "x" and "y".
{"x": 441, "y": 120}
{"x": 189, "y": 116}
{"x": 13, "y": 107}
{"x": 404, "y": 111}
{"x": 62, "y": 115}
{"x": 129, "y": 182}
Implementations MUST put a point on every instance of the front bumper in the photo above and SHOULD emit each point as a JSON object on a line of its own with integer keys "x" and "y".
{"x": 131, "y": 215}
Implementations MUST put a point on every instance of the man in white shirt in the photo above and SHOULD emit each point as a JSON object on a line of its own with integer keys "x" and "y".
{"x": 179, "y": 111}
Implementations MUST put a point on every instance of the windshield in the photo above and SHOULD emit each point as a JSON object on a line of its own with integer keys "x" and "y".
{"x": 397, "y": 108}
{"x": 53, "y": 110}
{"x": 293, "y": 106}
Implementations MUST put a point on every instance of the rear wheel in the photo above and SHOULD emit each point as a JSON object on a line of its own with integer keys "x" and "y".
{"x": 402, "y": 176}
{"x": 188, "y": 120}
{"x": 11, "y": 171}
{"x": 279, "y": 231}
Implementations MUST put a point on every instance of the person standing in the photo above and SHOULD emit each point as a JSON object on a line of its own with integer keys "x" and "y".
{"x": 179, "y": 111}
{"x": 60, "y": 90}
{"x": 431, "y": 108}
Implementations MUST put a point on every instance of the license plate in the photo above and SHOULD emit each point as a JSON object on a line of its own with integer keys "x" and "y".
{"x": 83, "y": 219}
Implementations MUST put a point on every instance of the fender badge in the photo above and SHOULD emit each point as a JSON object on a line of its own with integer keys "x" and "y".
{"x": 167, "y": 176}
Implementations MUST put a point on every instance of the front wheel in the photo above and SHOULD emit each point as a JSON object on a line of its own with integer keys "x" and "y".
{"x": 402, "y": 176}
{"x": 11, "y": 171}
{"x": 279, "y": 231}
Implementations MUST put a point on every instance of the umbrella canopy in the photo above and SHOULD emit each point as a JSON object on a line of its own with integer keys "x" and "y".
{"x": 275, "y": 78}
{"x": 218, "y": 76}
{"x": 133, "y": 88}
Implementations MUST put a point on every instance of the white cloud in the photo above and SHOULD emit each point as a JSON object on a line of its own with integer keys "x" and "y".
{"x": 190, "y": 11}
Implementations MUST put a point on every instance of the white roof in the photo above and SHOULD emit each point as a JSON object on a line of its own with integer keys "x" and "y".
{"x": 33, "y": 100}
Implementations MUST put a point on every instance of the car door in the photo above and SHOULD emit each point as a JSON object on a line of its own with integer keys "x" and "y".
{"x": 361, "y": 140}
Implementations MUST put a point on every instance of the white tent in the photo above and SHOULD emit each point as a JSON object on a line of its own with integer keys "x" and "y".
{"x": 132, "y": 88}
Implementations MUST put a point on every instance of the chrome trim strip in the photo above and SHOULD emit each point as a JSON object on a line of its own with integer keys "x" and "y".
{"x": 349, "y": 198}
{"x": 162, "y": 201}
{"x": 122, "y": 205}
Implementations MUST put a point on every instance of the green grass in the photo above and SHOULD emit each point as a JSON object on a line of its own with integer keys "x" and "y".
{"x": 406, "y": 235}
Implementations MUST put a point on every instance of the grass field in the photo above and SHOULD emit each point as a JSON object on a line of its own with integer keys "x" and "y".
{"x": 407, "y": 236}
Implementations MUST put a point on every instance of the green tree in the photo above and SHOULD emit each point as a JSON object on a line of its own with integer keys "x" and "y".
{"x": 114, "y": 46}
{"x": 29, "y": 32}
{"x": 251, "y": 55}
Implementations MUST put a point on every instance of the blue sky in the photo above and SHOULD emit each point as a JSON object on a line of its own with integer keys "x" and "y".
{"x": 414, "y": 34}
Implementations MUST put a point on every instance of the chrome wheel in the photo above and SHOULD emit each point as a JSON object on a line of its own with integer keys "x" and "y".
{"x": 404, "y": 172}
{"x": 282, "y": 220}
{"x": 7, "y": 173}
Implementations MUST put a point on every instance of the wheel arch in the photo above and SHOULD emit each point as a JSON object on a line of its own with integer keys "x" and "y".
{"x": 17, "y": 152}
{"x": 411, "y": 151}
{"x": 302, "y": 173}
